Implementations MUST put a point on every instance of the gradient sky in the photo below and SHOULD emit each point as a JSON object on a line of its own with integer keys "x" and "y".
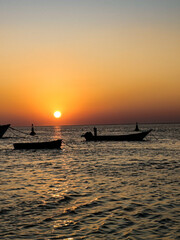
{"x": 96, "y": 61}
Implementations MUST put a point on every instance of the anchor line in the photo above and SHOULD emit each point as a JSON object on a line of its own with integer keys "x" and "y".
{"x": 19, "y": 131}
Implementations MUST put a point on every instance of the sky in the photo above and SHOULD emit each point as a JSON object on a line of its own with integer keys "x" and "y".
{"x": 95, "y": 61}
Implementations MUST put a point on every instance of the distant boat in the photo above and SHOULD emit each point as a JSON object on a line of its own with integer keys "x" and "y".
{"x": 137, "y": 128}
{"x": 129, "y": 137}
{"x": 32, "y": 133}
{"x": 3, "y": 129}
{"x": 39, "y": 145}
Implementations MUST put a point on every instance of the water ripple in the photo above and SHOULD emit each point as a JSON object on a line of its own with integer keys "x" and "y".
{"x": 92, "y": 190}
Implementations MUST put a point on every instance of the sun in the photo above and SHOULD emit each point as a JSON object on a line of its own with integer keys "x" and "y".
{"x": 57, "y": 114}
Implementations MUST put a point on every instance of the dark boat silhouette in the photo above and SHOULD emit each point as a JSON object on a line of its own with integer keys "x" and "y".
{"x": 128, "y": 137}
{"x": 137, "y": 128}
{"x": 32, "y": 133}
{"x": 39, "y": 145}
{"x": 3, "y": 129}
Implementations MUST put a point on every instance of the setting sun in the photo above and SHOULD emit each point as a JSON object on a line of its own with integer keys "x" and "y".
{"x": 57, "y": 114}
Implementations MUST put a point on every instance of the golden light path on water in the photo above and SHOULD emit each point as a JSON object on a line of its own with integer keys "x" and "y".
{"x": 115, "y": 190}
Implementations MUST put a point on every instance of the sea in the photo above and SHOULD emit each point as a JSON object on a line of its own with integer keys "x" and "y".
{"x": 91, "y": 190}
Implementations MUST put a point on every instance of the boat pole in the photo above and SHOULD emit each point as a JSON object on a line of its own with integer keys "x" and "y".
{"x": 95, "y": 132}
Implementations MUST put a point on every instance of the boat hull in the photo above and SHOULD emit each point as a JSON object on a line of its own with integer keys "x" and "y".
{"x": 39, "y": 145}
{"x": 129, "y": 137}
{"x": 3, "y": 129}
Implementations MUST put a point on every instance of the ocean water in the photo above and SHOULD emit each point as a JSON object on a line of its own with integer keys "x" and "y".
{"x": 91, "y": 190}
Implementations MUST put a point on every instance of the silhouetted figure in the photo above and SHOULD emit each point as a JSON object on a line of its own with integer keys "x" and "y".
{"x": 137, "y": 128}
{"x": 95, "y": 131}
{"x": 32, "y": 131}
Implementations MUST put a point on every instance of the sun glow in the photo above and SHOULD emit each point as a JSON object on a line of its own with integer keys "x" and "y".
{"x": 57, "y": 114}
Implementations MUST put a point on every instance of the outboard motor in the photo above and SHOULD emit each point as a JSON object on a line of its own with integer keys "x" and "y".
{"x": 88, "y": 136}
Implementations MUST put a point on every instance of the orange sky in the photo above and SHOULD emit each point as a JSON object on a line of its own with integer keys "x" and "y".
{"x": 95, "y": 61}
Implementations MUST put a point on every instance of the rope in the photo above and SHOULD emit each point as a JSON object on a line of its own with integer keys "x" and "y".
{"x": 12, "y": 132}
{"x": 68, "y": 144}
{"x": 15, "y": 133}
{"x": 19, "y": 131}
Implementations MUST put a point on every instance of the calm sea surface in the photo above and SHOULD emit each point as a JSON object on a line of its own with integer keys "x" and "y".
{"x": 105, "y": 190}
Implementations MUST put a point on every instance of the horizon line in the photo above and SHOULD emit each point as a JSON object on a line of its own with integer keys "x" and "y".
{"x": 93, "y": 124}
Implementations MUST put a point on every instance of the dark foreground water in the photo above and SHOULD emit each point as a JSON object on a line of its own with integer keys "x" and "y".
{"x": 106, "y": 190}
